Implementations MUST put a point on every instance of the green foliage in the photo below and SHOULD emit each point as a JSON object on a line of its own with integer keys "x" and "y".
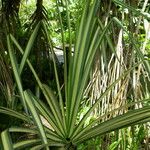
{"x": 75, "y": 113}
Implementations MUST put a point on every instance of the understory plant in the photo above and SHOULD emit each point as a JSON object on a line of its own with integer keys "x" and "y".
{"x": 53, "y": 120}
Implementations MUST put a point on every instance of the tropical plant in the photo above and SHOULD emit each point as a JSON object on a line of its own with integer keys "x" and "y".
{"x": 57, "y": 123}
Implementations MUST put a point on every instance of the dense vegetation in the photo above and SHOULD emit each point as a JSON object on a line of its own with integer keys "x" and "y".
{"x": 97, "y": 97}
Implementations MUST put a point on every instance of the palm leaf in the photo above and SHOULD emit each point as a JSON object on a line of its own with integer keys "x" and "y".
{"x": 6, "y": 140}
{"x": 15, "y": 114}
{"x": 16, "y": 72}
{"x": 35, "y": 115}
{"x": 29, "y": 47}
{"x": 26, "y": 143}
{"x": 116, "y": 123}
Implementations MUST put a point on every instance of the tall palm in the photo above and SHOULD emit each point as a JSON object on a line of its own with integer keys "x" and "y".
{"x": 63, "y": 125}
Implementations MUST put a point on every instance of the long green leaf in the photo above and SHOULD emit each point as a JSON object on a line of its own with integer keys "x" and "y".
{"x": 79, "y": 62}
{"x": 35, "y": 115}
{"x": 16, "y": 72}
{"x": 15, "y": 114}
{"x": 78, "y": 128}
{"x": 28, "y": 47}
{"x": 61, "y": 104}
{"x": 44, "y": 111}
{"x": 6, "y": 140}
{"x": 136, "y": 11}
{"x": 39, "y": 147}
{"x": 92, "y": 50}
{"x": 53, "y": 136}
{"x": 23, "y": 130}
{"x": 55, "y": 119}
{"x": 116, "y": 123}
{"x": 26, "y": 143}
{"x": 49, "y": 134}
{"x": 52, "y": 101}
